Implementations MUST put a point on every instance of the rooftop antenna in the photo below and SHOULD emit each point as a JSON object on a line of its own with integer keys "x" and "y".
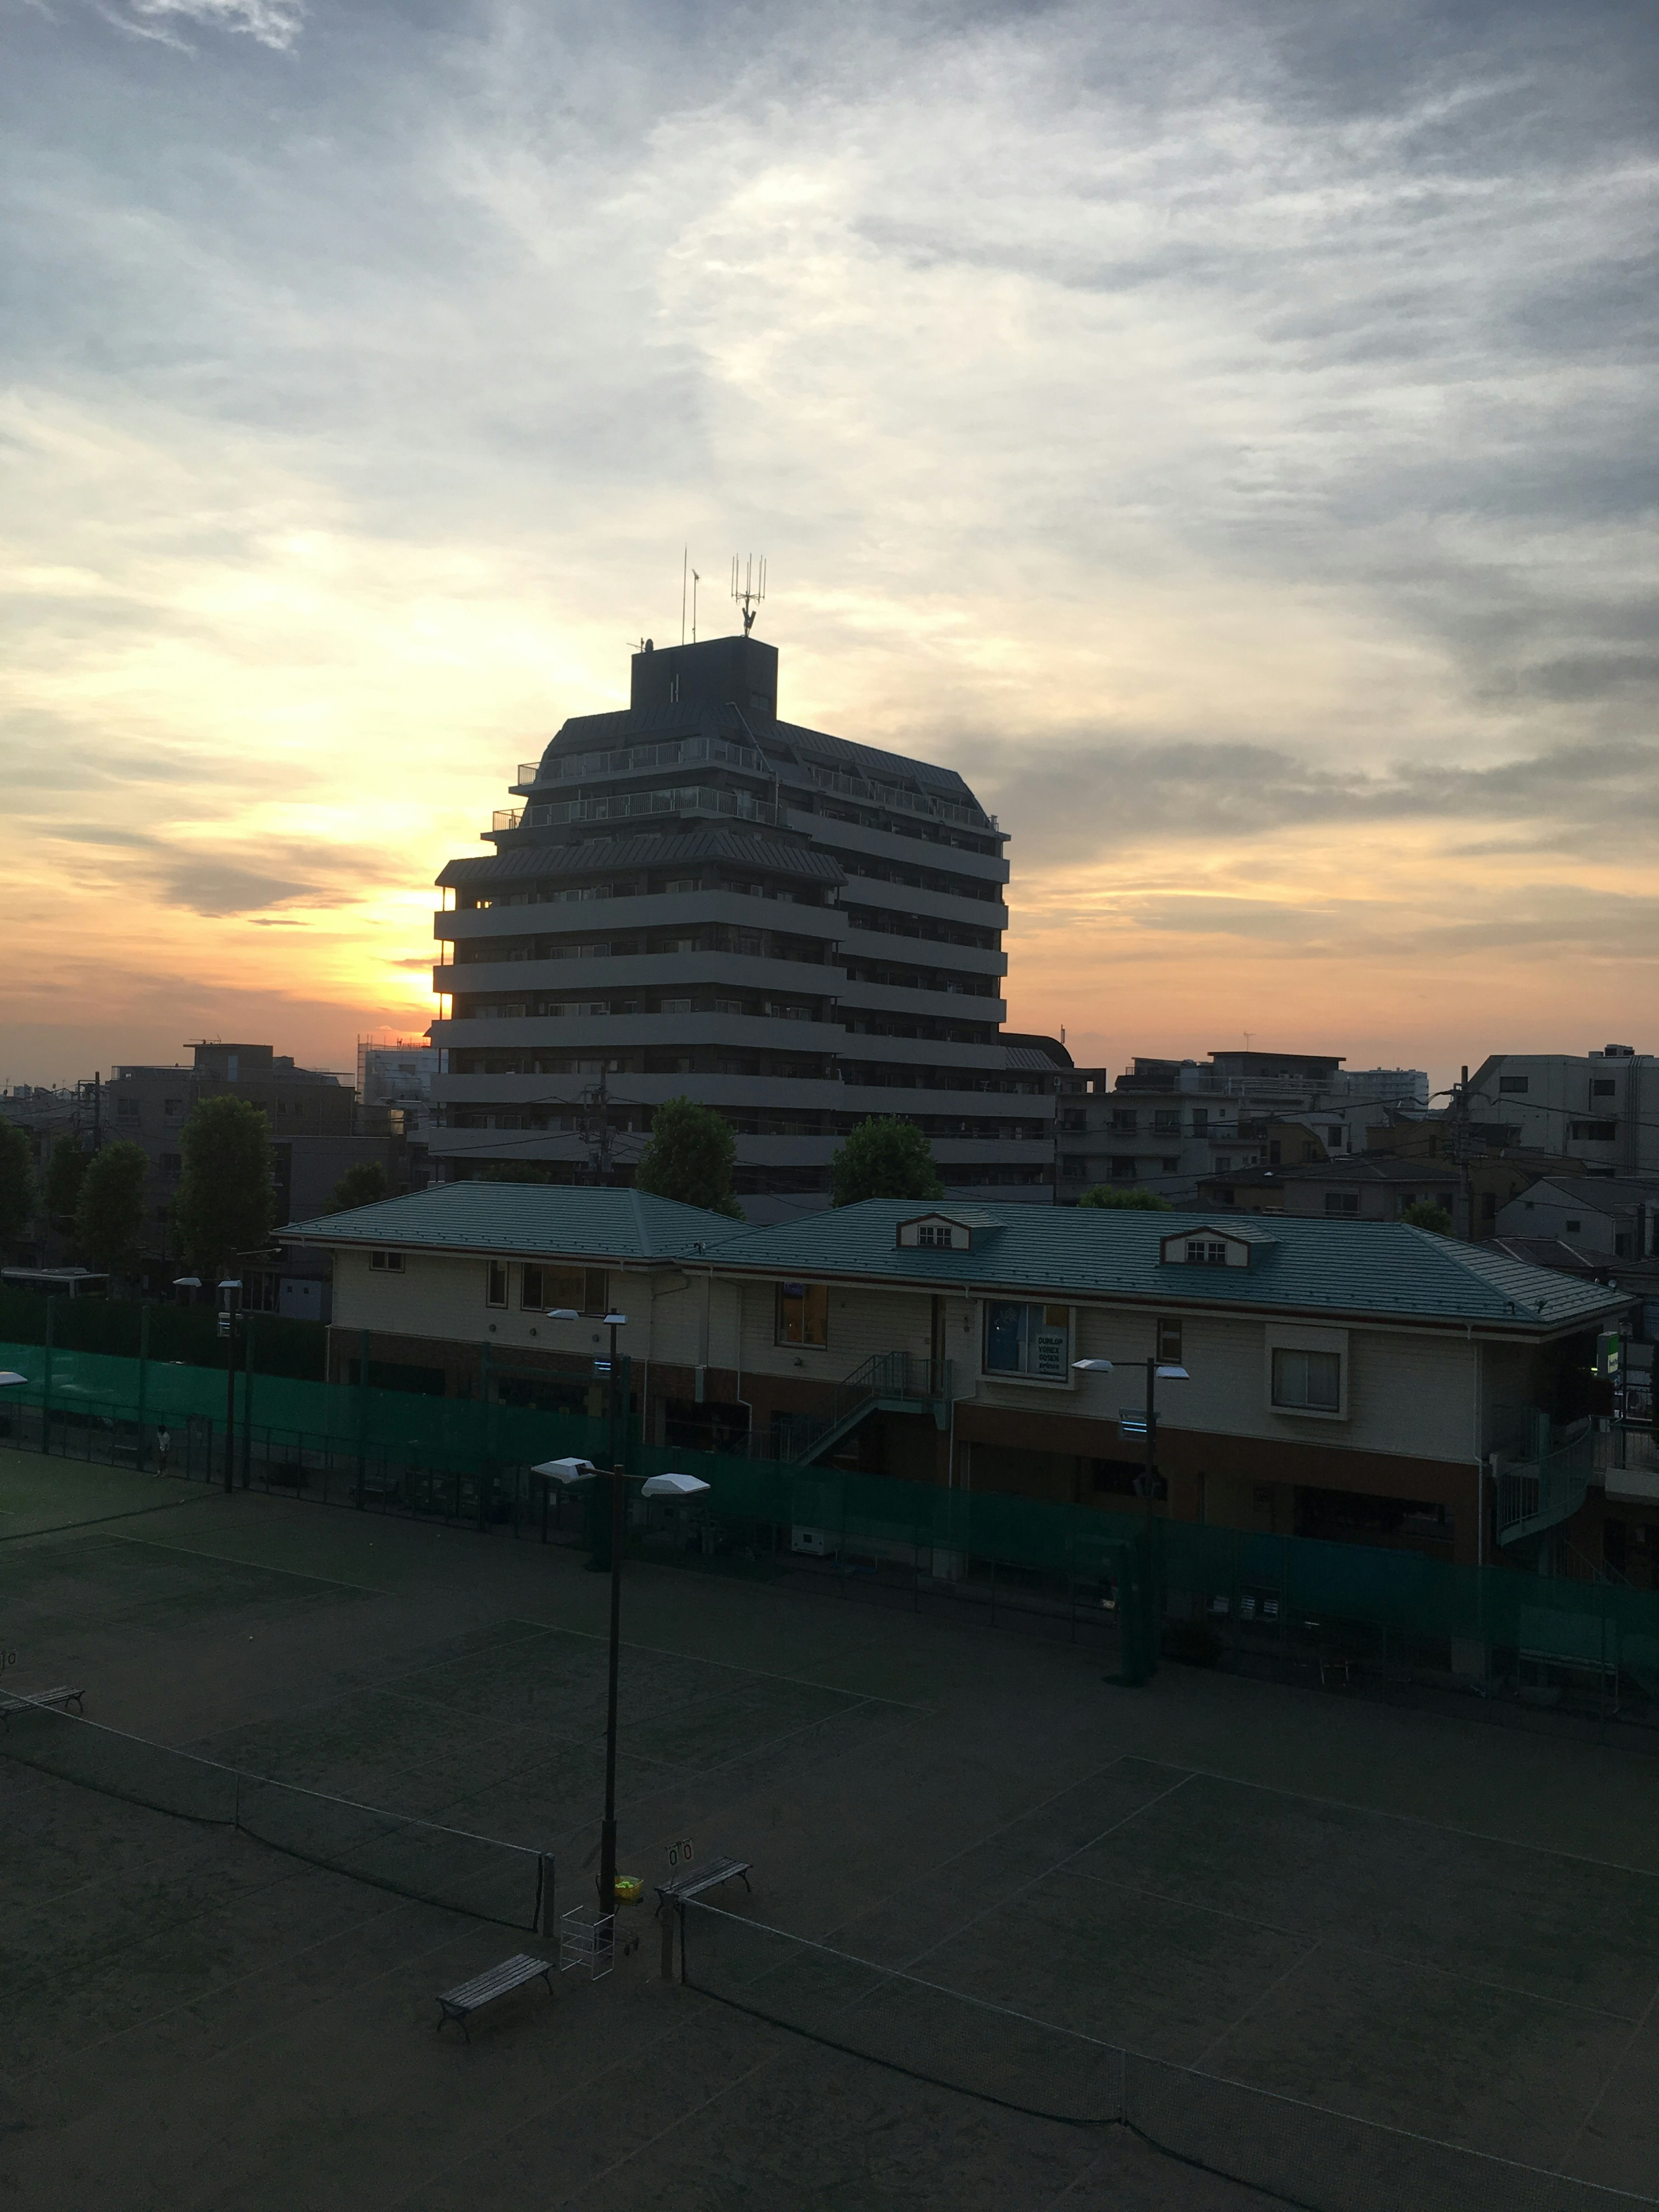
{"x": 754, "y": 588}
{"x": 685, "y": 555}
{"x": 695, "y": 580}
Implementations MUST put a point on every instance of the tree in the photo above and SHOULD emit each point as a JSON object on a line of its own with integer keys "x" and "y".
{"x": 691, "y": 1156}
{"x": 883, "y": 1158}
{"x": 17, "y": 1182}
{"x": 1119, "y": 1201}
{"x": 226, "y": 1204}
{"x": 64, "y": 1171}
{"x": 365, "y": 1184}
{"x": 109, "y": 1214}
{"x": 1428, "y": 1213}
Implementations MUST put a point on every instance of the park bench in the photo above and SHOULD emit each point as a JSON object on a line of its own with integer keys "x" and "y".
{"x": 17, "y": 1701}
{"x": 680, "y": 1888}
{"x": 472, "y": 1997}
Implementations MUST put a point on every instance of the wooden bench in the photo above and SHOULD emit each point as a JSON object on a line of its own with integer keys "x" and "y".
{"x": 679, "y": 1888}
{"x": 18, "y": 1701}
{"x": 472, "y": 1997}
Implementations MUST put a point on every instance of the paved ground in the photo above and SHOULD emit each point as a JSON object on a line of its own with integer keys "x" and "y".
{"x": 1444, "y": 1927}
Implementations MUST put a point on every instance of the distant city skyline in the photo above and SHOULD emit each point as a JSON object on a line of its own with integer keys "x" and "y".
{"x": 1238, "y": 466}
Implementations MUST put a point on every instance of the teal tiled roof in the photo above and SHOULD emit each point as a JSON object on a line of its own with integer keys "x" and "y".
{"x": 1356, "y": 1268}
{"x": 540, "y": 1219}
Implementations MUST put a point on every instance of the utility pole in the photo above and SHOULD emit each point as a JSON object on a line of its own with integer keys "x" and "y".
{"x": 1462, "y": 1148}
{"x": 597, "y": 1099}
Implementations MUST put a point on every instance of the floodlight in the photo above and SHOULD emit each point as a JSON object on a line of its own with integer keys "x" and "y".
{"x": 186, "y": 1282}
{"x": 563, "y": 1313}
{"x": 1094, "y": 1366}
{"x": 10, "y": 1377}
{"x": 616, "y": 1321}
{"x": 672, "y": 1486}
{"x": 1173, "y": 1375}
{"x": 567, "y": 1470}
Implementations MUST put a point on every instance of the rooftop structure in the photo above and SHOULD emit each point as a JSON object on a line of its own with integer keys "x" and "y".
{"x": 697, "y": 897}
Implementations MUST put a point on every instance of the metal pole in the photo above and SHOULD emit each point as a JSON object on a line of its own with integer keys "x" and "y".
{"x": 608, "y": 1831}
{"x": 230, "y": 1392}
{"x": 140, "y": 1455}
{"x": 247, "y": 1402}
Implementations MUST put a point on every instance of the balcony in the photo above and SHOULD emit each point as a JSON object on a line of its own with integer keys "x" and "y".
{"x": 1544, "y": 1472}
{"x": 635, "y": 805}
{"x": 630, "y": 760}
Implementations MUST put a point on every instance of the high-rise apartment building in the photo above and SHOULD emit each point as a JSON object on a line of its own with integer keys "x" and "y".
{"x": 694, "y": 896}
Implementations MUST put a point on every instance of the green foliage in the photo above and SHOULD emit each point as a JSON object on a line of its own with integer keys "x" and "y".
{"x": 365, "y": 1184}
{"x": 1429, "y": 1213}
{"x": 65, "y": 1169}
{"x": 1138, "y": 1200}
{"x": 691, "y": 1156}
{"x": 226, "y": 1204}
{"x": 883, "y": 1158}
{"x": 109, "y": 1214}
{"x": 17, "y": 1182}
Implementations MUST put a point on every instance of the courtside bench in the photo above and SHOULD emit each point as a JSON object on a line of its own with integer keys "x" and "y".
{"x": 680, "y": 1888}
{"x": 484, "y": 1990}
{"x": 19, "y": 1701}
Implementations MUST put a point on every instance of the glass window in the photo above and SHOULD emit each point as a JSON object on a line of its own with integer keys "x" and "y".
{"x": 1342, "y": 1201}
{"x": 1308, "y": 1382}
{"x": 391, "y": 1263}
{"x": 935, "y": 1233}
{"x": 803, "y": 1312}
{"x": 1022, "y": 1340}
{"x": 1168, "y": 1343}
{"x": 495, "y": 1290}
{"x": 1516, "y": 1083}
{"x": 1206, "y": 1252}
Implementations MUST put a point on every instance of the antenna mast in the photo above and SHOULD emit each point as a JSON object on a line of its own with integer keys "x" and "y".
{"x": 754, "y": 588}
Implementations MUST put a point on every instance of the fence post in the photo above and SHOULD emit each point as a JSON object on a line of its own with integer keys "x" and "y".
{"x": 46, "y": 1392}
{"x": 362, "y": 1417}
{"x": 248, "y": 1399}
{"x": 141, "y": 1454}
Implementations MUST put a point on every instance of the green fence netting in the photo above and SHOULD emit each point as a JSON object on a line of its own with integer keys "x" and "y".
{"x": 1336, "y": 1604}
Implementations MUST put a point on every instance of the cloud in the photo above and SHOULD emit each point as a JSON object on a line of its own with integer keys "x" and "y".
{"x": 274, "y": 23}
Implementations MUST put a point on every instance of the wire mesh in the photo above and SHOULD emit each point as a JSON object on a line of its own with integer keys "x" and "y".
{"x": 1300, "y": 2152}
{"x": 487, "y": 1879}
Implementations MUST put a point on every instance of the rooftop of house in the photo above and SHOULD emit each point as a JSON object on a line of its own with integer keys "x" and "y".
{"x": 523, "y": 1219}
{"x": 1380, "y": 1268}
{"x": 1598, "y": 1193}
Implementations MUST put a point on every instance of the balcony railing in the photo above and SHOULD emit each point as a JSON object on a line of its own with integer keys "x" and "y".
{"x": 1544, "y": 1472}
{"x": 635, "y": 805}
{"x": 892, "y": 794}
{"x": 628, "y": 760}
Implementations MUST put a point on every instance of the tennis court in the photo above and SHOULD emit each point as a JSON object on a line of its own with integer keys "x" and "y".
{"x": 986, "y": 1868}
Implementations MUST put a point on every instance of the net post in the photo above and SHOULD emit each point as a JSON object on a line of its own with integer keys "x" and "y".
{"x": 668, "y": 1964}
{"x": 545, "y": 1892}
{"x": 679, "y": 1914}
{"x": 236, "y": 1801}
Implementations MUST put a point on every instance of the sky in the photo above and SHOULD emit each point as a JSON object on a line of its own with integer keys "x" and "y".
{"x": 1223, "y": 429}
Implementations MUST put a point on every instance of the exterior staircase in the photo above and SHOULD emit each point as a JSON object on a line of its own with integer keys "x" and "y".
{"x": 1543, "y": 1476}
{"x": 888, "y": 1382}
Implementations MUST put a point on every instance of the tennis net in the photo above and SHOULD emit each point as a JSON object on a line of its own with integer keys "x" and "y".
{"x": 511, "y": 1884}
{"x": 1303, "y": 2154}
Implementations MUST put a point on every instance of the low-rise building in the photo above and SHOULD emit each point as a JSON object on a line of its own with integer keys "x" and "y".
{"x": 1343, "y": 1380}
{"x": 1599, "y": 1108}
{"x": 1164, "y": 1125}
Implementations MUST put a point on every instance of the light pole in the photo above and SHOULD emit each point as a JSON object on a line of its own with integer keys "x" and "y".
{"x": 612, "y": 1320}
{"x": 1156, "y": 1370}
{"x": 230, "y": 1291}
{"x": 571, "y": 1471}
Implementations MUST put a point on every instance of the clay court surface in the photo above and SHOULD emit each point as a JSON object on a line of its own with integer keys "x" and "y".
{"x": 1449, "y": 1927}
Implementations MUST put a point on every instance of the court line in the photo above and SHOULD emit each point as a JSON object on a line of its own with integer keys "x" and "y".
{"x": 1357, "y": 1950}
{"x": 1422, "y": 1821}
{"x": 1630, "y": 2044}
{"x": 98, "y": 1521}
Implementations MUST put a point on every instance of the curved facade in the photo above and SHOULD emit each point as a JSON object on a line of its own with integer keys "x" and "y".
{"x": 695, "y": 897}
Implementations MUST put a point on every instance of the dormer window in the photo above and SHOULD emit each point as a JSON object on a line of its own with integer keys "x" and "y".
{"x": 942, "y": 1232}
{"x": 1206, "y": 1252}
{"x": 935, "y": 1233}
{"x": 1213, "y": 1246}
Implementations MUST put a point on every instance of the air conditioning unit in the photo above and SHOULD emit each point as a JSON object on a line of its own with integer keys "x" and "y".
{"x": 817, "y": 1543}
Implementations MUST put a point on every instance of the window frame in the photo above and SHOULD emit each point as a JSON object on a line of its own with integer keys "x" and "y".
{"x": 813, "y": 1300}
{"x": 386, "y": 1263}
{"x": 498, "y": 1273}
{"x": 1282, "y": 1356}
{"x": 1287, "y": 1338}
{"x": 1061, "y": 1375}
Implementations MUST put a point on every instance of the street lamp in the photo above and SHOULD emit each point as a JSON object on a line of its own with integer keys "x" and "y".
{"x": 613, "y": 1322}
{"x": 1156, "y": 1370}
{"x": 230, "y": 1291}
{"x": 570, "y": 1471}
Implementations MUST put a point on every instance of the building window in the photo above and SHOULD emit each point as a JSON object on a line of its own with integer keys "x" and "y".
{"x": 1169, "y": 1166}
{"x": 1308, "y": 1382}
{"x": 496, "y": 1289}
{"x": 1123, "y": 1121}
{"x": 1166, "y": 1122}
{"x": 1168, "y": 1343}
{"x": 1513, "y": 1083}
{"x": 1200, "y": 1120}
{"x": 1342, "y": 1201}
{"x": 1207, "y": 1251}
{"x": 1574, "y": 1228}
{"x": 391, "y": 1263}
{"x": 1073, "y": 1166}
{"x": 127, "y": 1112}
{"x": 1021, "y": 1340}
{"x": 803, "y": 1313}
{"x": 1603, "y": 1087}
{"x": 1597, "y": 1133}
{"x": 1122, "y": 1167}
{"x": 580, "y": 1290}
{"x": 936, "y": 1234}
{"x": 172, "y": 1166}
